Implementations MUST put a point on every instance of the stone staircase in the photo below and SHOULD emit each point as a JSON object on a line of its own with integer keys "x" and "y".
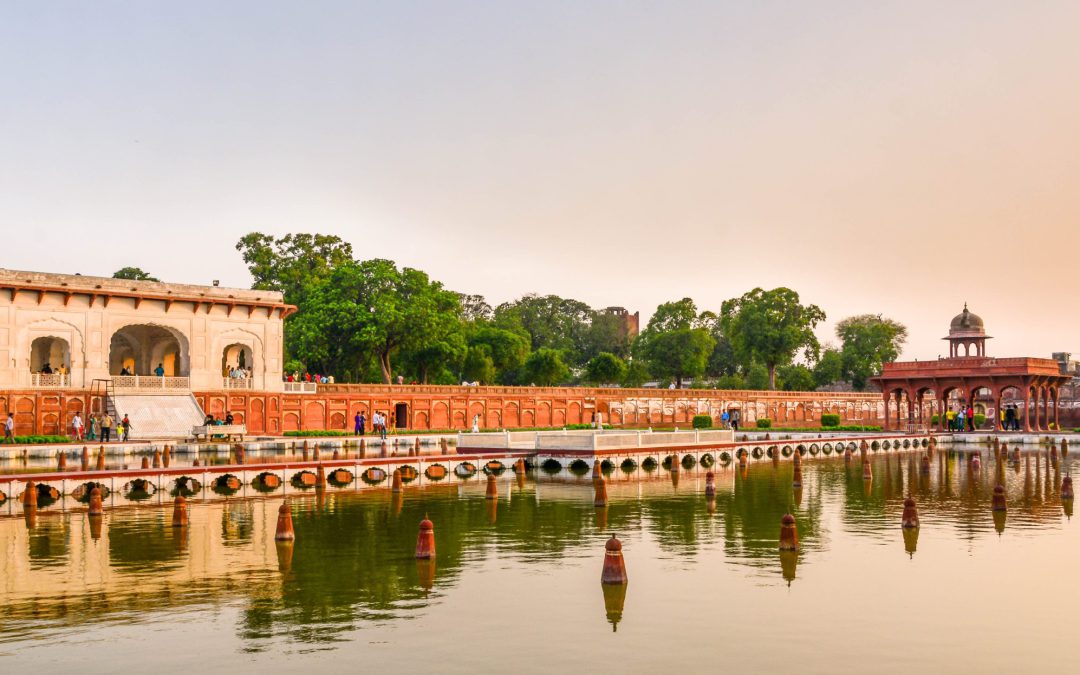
{"x": 164, "y": 416}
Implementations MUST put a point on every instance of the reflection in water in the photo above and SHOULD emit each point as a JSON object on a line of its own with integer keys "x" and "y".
{"x": 352, "y": 568}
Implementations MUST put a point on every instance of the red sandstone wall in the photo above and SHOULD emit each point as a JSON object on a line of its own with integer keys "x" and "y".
{"x": 431, "y": 407}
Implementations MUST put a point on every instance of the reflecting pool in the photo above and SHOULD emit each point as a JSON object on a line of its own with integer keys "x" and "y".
{"x": 516, "y": 584}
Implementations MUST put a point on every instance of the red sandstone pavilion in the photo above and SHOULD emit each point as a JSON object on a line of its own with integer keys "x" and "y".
{"x": 918, "y": 386}
{"x": 162, "y": 353}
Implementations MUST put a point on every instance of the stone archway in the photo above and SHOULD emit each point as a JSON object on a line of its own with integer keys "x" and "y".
{"x": 49, "y": 354}
{"x": 142, "y": 348}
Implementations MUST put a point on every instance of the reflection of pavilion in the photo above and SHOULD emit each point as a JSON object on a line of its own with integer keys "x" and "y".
{"x": 911, "y": 388}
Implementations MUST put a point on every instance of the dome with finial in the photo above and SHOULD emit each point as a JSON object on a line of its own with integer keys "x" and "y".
{"x": 966, "y": 324}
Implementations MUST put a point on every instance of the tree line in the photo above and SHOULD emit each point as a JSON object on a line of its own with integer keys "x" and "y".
{"x": 371, "y": 321}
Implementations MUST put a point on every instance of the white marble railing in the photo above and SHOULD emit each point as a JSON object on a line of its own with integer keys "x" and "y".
{"x": 50, "y": 380}
{"x": 150, "y": 382}
{"x": 237, "y": 383}
{"x": 301, "y": 387}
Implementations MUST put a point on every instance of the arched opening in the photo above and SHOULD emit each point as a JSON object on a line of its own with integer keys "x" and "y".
{"x": 145, "y": 349}
{"x": 237, "y": 358}
{"x": 50, "y": 361}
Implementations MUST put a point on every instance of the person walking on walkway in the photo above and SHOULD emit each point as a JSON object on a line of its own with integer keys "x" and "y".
{"x": 9, "y": 428}
{"x": 91, "y": 428}
{"x": 358, "y": 424}
{"x": 106, "y": 427}
{"x": 969, "y": 414}
{"x": 77, "y": 427}
{"x": 125, "y": 429}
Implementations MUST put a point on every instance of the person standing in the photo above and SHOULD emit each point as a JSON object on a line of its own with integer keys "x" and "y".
{"x": 358, "y": 424}
{"x": 9, "y": 428}
{"x": 725, "y": 419}
{"x": 970, "y": 415}
{"x": 77, "y": 427}
{"x": 735, "y": 417}
{"x": 106, "y": 427}
{"x": 125, "y": 428}
{"x": 160, "y": 370}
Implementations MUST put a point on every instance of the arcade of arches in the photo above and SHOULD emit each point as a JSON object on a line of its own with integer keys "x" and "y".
{"x": 140, "y": 349}
{"x": 917, "y": 390}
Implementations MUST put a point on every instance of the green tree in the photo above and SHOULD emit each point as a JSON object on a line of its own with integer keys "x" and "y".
{"x": 373, "y": 309}
{"x": 637, "y": 374}
{"x": 551, "y": 322}
{"x": 605, "y": 368}
{"x": 757, "y": 377}
{"x": 292, "y": 264}
{"x": 474, "y": 308}
{"x": 134, "y": 274}
{"x": 796, "y": 377}
{"x": 507, "y": 349}
{"x": 606, "y": 333}
{"x": 478, "y": 365}
{"x": 868, "y": 340}
{"x": 545, "y": 367}
{"x": 770, "y": 327}
{"x": 734, "y": 382}
{"x": 829, "y": 368}
{"x": 677, "y": 341}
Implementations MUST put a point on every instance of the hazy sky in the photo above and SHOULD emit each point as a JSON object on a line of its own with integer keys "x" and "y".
{"x": 895, "y": 158}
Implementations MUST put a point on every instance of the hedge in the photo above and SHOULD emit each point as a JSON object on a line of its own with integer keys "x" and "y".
{"x": 764, "y": 423}
{"x": 847, "y": 427}
{"x": 702, "y": 421}
{"x": 830, "y": 420}
{"x": 40, "y": 440}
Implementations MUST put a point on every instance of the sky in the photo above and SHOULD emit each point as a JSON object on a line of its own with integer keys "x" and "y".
{"x": 899, "y": 158}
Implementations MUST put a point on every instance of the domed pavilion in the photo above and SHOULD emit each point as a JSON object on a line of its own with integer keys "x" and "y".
{"x": 914, "y": 391}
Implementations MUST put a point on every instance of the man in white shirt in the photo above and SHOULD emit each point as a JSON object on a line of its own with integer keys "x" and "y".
{"x": 77, "y": 427}
{"x": 9, "y": 428}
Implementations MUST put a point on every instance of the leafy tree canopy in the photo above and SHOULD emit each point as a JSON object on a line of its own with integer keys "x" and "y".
{"x": 605, "y": 368}
{"x": 292, "y": 264}
{"x": 134, "y": 274}
{"x": 829, "y": 368}
{"x": 551, "y": 322}
{"x": 545, "y": 367}
{"x": 770, "y": 327}
{"x": 868, "y": 341}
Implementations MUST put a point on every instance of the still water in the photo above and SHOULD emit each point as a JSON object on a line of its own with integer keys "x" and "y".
{"x": 516, "y": 586}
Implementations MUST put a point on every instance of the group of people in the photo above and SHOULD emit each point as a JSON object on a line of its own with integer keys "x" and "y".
{"x": 1010, "y": 418}
{"x": 378, "y": 423}
{"x": 238, "y": 373}
{"x": 730, "y": 419}
{"x": 212, "y": 421}
{"x": 47, "y": 369}
{"x": 100, "y": 427}
{"x": 295, "y": 376}
{"x": 962, "y": 419}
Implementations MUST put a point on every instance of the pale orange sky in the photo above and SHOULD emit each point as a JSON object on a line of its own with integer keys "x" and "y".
{"x": 899, "y": 158}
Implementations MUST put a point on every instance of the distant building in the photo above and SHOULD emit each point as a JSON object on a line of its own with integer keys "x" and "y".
{"x": 630, "y": 322}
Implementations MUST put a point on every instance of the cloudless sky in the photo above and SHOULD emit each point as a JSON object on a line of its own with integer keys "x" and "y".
{"x": 885, "y": 157}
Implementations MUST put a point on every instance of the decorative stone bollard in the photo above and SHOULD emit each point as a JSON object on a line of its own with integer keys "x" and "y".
{"x": 315, "y": 453}
{"x": 600, "y": 489}
{"x": 196, "y": 462}
{"x": 1064, "y": 447}
{"x": 867, "y": 472}
{"x": 425, "y": 541}
{"x": 1066, "y": 487}
{"x": 30, "y": 494}
{"x": 320, "y": 476}
{"x": 492, "y": 489}
{"x": 61, "y": 461}
{"x": 675, "y": 463}
{"x": 101, "y": 459}
{"x": 166, "y": 456}
{"x": 998, "y": 501}
{"x": 796, "y": 458}
{"x": 395, "y": 481}
{"x": 416, "y": 447}
{"x": 597, "y": 472}
{"x": 179, "y": 513}
{"x": 96, "y": 508}
{"x": 337, "y": 455}
{"x": 145, "y": 463}
{"x": 85, "y": 459}
{"x": 444, "y": 447}
{"x": 519, "y": 466}
{"x": 363, "y": 448}
{"x": 911, "y": 513}
{"x": 710, "y": 484}
{"x": 789, "y": 534}
{"x": 796, "y": 479}
{"x": 157, "y": 459}
{"x": 614, "y": 571}
{"x": 284, "y": 524}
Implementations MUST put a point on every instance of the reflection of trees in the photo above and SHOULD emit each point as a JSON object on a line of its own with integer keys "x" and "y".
{"x": 143, "y": 544}
{"x": 48, "y": 543}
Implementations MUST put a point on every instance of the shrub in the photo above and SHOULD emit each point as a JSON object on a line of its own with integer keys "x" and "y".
{"x": 41, "y": 440}
{"x": 830, "y": 420}
{"x": 314, "y": 433}
{"x": 764, "y": 423}
{"x": 935, "y": 420}
{"x": 702, "y": 421}
{"x": 980, "y": 420}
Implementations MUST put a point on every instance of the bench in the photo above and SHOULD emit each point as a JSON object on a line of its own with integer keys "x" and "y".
{"x": 228, "y": 431}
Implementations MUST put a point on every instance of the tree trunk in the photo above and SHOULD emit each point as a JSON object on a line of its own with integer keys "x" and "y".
{"x": 384, "y": 363}
{"x": 678, "y": 382}
{"x": 772, "y": 376}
